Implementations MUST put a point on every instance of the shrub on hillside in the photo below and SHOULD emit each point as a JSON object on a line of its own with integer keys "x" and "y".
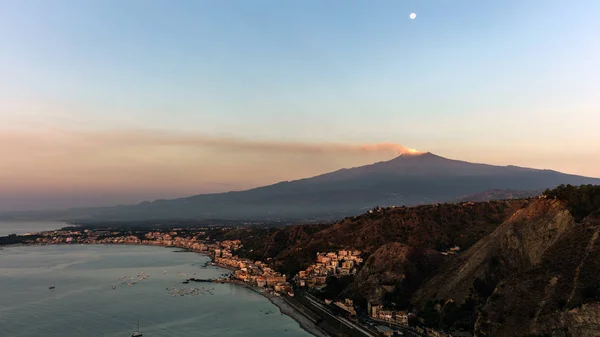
{"x": 581, "y": 200}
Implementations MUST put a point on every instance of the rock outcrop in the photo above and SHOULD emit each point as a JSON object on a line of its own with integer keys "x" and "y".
{"x": 394, "y": 272}
{"x": 558, "y": 296}
{"x": 516, "y": 245}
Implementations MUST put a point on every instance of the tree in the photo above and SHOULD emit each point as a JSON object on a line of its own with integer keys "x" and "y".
{"x": 580, "y": 200}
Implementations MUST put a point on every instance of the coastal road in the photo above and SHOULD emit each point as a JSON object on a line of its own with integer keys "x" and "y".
{"x": 408, "y": 331}
{"x": 317, "y": 305}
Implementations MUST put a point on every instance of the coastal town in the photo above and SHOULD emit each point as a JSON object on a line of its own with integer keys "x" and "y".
{"x": 340, "y": 263}
{"x": 258, "y": 275}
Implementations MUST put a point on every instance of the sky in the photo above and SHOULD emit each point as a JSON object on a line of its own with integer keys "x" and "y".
{"x": 110, "y": 102}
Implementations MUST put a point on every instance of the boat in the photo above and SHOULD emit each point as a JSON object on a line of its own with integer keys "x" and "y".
{"x": 52, "y": 286}
{"x": 137, "y": 332}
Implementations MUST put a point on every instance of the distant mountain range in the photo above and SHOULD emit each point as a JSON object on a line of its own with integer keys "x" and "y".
{"x": 409, "y": 179}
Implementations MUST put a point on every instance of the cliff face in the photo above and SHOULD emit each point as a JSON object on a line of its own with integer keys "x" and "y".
{"x": 558, "y": 296}
{"x": 535, "y": 275}
{"x": 516, "y": 245}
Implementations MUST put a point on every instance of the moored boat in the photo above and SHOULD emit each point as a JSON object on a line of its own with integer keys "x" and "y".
{"x": 137, "y": 333}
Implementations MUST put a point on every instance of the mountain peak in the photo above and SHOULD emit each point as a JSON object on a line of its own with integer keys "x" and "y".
{"x": 418, "y": 154}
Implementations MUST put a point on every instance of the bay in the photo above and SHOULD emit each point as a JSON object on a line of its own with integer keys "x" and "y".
{"x": 84, "y": 302}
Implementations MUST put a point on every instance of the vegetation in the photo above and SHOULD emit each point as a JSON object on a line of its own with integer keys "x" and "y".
{"x": 267, "y": 243}
{"x": 12, "y": 239}
{"x": 335, "y": 286}
{"x": 429, "y": 226}
{"x": 581, "y": 200}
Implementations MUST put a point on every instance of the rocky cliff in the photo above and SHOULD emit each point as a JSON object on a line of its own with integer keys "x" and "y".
{"x": 535, "y": 275}
{"x": 558, "y": 296}
{"x": 516, "y": 245}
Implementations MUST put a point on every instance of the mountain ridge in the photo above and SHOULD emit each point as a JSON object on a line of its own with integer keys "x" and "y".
{"x": 409, "y": 179}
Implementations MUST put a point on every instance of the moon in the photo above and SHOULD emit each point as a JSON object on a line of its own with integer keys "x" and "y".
{"x": 412, "y": 16}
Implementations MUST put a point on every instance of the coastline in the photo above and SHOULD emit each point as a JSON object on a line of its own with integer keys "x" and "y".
{"x": 287, "y": 309}
{"x": 280, "y": 302}
{"x": 7, "y": 227}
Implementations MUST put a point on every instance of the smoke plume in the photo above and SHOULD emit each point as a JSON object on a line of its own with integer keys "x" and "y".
{"x": 139, "y": 138}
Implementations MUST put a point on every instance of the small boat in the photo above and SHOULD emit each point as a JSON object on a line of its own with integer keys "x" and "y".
{"x": 52, "y": 286}
{"x": 137, "y": 332}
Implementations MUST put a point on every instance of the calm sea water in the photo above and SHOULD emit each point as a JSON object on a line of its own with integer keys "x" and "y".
{"x": 21, "y": 227}
{"x": 84, "y": 303}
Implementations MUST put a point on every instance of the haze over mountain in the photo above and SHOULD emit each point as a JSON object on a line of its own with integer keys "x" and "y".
{"x": 410, "y": 179}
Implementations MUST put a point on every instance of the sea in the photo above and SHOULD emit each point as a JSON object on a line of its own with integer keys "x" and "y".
{"x": 21, "y": 227}
{"x": 94, "y": 295}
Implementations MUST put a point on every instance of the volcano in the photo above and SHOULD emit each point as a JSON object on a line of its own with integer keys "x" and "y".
{"x": 410, "y": 179}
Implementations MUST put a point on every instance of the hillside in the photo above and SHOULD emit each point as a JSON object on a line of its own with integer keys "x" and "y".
{"x": 527, "y": 267}
{"x": 406, "y": 180}
{"x": 535, "y": 275}
{"x": 499, "y": 195}
{"x": 394, "y": 272}
{"x": 561, "y": 294}
{"x": 419, "y": 229}
{"x": 516, "y": 245}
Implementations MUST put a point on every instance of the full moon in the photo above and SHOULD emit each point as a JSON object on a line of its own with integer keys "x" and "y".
{"x": 412, "y": 16}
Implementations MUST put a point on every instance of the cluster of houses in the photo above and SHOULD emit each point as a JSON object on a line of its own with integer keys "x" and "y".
{"x": 167, "y": 239}
{"x": 57, "y": 237}
{"x": 343, "y": 262}
{"x": 173, "y": 238}
{"x": 398, "y": 317}
{"x": 255, "y": 273}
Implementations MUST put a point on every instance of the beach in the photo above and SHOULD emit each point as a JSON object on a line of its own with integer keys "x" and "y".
{"x": 287, "y": 309}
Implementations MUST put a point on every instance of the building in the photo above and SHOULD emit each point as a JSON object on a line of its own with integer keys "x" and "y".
{"x": 347, "y": 305}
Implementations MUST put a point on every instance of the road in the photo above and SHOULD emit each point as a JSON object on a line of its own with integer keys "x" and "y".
{"x": 364, "y": 330}
{"x": 408, "y": 331}
{"x": 324, "y": 310}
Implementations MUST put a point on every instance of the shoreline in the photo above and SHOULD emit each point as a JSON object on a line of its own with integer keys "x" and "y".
{"x": 281, "y": 303}
{"x": 59, "y": 225}
{"x": 287, "y": 309}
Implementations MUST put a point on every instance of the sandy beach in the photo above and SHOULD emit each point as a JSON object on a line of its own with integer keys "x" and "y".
{"x": 283, "y": 306}
{"x": 295, "y": 314}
